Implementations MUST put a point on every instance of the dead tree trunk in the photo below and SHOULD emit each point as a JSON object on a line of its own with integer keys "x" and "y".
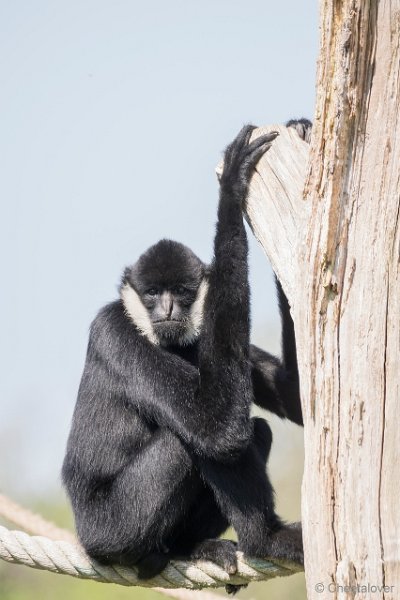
{"x": 336, "y": 249}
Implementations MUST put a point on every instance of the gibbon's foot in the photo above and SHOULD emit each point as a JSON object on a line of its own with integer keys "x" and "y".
{"x": 221, "y": 552}
{"x": 152, "y": 565}
{"x": 232, "y": 588}
{"x": 285, "y": 543}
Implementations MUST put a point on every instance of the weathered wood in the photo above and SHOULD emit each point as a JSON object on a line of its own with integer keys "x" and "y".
{"x": 337, "y": 251}
{"x": 276, "y": 212}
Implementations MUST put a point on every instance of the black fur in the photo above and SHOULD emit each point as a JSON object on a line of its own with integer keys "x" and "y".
{"x": 162, "y": 454}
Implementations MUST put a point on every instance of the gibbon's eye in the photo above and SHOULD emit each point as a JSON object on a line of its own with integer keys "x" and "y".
{"x": 152, "y": 292}
{"x": 180, "y": 289}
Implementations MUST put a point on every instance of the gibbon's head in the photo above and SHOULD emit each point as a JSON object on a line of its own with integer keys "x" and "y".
{"x": 163, "y": 294}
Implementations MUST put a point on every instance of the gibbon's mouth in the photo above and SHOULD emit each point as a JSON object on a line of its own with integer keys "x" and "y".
{"x": 167, "y": 321}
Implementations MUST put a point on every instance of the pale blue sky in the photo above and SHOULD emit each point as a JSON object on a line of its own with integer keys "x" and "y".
{"x": 113, "y": 116}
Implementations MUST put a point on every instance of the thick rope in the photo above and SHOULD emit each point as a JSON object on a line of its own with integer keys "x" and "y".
{"x": 65, "y": 558}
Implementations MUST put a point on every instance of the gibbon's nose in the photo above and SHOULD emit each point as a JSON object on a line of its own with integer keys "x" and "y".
{"x": 166, "y": 304}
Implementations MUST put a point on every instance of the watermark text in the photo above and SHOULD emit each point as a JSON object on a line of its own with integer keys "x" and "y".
{"x": 357, "y": 588}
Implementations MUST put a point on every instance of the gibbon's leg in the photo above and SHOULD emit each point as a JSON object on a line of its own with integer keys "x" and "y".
{"x": 133, "y": 517}
{"x": 245, "y": 495}
{"x": 205, "y": 519}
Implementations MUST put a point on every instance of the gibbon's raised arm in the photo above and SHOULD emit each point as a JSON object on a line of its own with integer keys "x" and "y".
{"x": 224, "y": 344}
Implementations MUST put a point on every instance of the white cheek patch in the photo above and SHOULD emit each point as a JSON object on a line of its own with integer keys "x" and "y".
{"x": 197, "y": 310}
{"x": 196, "y": 314}
{"x": 137, "y": 313}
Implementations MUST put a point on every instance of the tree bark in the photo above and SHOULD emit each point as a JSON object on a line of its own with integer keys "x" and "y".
{"x": 336, "y": 250}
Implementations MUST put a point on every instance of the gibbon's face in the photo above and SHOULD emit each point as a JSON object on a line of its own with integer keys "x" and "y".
{"x": 170, "y": 308}
{"x": 169, "y": 282}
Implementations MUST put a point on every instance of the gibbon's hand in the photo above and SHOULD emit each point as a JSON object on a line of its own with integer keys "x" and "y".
{"x": 240, "y": 159}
